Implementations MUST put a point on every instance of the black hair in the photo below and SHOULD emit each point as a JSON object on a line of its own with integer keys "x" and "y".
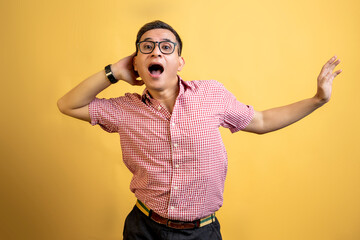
{"x": 155, "y": 25}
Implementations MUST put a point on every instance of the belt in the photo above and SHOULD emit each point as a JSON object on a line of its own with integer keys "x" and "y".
{"x": 174, "y": 223}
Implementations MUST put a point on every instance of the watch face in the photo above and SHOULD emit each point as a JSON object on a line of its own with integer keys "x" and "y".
{"x": 109, "y": 74}
{"x": 108, "y": 69}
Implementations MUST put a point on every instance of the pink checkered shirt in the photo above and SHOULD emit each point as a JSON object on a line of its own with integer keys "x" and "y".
{"x": 178, "y": 160}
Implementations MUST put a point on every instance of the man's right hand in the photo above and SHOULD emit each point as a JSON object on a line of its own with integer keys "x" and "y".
{"x": 124, "y": 70}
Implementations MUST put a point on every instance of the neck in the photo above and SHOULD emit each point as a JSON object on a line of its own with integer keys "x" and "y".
{"x": 166, "y": 97}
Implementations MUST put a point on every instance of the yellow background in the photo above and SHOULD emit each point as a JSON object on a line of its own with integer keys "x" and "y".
{"x": 62, "y": 179}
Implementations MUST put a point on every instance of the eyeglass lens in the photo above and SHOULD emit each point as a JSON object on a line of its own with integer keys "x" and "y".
{"x": 165, "y": 47}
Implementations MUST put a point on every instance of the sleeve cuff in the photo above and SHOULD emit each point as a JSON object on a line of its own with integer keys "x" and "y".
{"x": 249, "y": 118}
{"x": 93, "y": 113}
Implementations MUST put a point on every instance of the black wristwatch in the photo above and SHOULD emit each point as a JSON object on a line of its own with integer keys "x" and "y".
{"x": 110, "y": 75}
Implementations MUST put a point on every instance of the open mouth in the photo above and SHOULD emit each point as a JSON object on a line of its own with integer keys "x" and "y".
{"x": 156, "y": 69}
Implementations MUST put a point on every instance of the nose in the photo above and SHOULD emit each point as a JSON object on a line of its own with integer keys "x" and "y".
{"x": 156, "y": 50}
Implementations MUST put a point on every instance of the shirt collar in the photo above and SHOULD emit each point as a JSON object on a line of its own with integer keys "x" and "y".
{"x": 183, "y": 85}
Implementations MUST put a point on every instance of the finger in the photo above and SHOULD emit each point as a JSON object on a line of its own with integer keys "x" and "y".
{"x": 331, "y": 60}
{"x": 139, "y": 82}
{"x": 134, "y": 75}
{"x": 328, "y": 63}
{"x": 325, "y": 71}
{"x": 329, "y": 67}
{"x": 337, "y": 72}
{"x": 334, "y": 64}
{"x": 330, "y": 77}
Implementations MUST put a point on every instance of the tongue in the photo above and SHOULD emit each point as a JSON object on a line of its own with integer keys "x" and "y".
{"x": 155, "y": 72}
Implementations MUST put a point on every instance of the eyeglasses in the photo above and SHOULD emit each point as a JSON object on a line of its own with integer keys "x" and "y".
{"x": 166, "y": 47}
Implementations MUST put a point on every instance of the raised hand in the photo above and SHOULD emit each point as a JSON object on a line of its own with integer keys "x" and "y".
{"x": 325, "y": 80}
{"x": 124, "y": 70}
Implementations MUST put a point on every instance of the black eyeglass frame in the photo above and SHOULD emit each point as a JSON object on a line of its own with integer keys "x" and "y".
{"x": 158, "y": 44}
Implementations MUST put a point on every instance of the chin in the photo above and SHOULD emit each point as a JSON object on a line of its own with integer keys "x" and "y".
{"x": 155, "y": 86}
{"x": 159, "y": 83}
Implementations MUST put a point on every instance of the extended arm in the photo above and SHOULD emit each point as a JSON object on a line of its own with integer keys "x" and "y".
{"x": 277, "y": 118}
{"x": 75, "y": 102}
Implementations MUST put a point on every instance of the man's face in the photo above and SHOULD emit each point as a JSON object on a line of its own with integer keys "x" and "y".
{"x": 158, "y": 70}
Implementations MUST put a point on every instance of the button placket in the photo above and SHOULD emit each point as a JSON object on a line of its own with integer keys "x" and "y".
{"x": 175, "y": 191}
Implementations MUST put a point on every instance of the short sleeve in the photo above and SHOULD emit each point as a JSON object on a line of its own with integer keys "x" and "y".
{"x": 106, "y": 113}
{"x": 236, "y": 115}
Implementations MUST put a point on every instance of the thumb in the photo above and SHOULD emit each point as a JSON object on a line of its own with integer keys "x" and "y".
{"x": 138, "y": 82}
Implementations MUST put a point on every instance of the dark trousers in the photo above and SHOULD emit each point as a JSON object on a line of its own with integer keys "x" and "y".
{"x": 139, "y": 226}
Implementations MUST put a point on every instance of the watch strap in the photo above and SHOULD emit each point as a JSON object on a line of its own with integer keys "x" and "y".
{"x": 109, "y": 74}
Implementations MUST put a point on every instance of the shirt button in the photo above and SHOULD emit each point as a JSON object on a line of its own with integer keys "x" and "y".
{"x": 172, "y": 207}
{"x": 175, "y": 145}
{"x": 175, "y": 187}
{"x": 177, "y": 166}
{"x": 173, "y": 124}
{"x": 159, "y": 107}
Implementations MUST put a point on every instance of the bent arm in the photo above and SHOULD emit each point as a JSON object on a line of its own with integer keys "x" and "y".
{"x": 277, "y": 118}
{"x": 75, "y": 103}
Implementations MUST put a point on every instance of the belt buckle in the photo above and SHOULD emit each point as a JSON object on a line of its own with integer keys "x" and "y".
{"x": 173, "y": 224}
{"x": 179, "y": 224}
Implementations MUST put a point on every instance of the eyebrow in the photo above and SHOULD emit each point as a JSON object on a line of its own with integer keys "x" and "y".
{"x": 164, "y": 39}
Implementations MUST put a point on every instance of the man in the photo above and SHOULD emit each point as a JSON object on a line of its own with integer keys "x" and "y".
{"x": 169, "y": 134}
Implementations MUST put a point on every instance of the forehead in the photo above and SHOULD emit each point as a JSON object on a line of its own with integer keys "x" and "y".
{"x": 159, "y": 34}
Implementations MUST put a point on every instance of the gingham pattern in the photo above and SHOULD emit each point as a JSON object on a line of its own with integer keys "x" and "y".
{"x": 178, "y": 160}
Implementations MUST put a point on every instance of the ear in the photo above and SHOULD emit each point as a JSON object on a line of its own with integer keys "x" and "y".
{"x": 134, "y": 63}
{"x": 181, "y": 63}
